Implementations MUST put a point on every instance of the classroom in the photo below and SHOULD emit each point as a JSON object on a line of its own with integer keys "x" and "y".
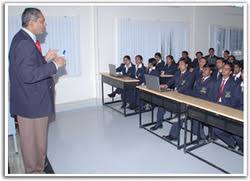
{"x": 128, "y": 89}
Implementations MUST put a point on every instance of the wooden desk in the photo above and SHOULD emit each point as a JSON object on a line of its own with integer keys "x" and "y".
{"x": 124, "y": 83}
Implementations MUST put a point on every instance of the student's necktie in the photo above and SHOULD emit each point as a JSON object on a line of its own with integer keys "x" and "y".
{"x": 221, "y": 89}
{"x": 38, "y": 46}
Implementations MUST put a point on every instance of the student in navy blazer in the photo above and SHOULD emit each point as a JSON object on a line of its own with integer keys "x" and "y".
{"x": 198, "y": 70}
{"x": 159, "y": 62}
{"x": 237, "y": 72}
{"x": 239, "y": 104}
{"x": 225, "y": 96}
{"x": 140, "y": 71}
{"x": 201, "y": 89}
{"x": 195, "y": 62}
{"x": 218, "y": 68}
{"x": 171, "y": 67}
{"x": 151, "y": 70}
{"x": 211, "y": 57}
{"x": 127, "y": 69}
{"x": 182, "y": 81}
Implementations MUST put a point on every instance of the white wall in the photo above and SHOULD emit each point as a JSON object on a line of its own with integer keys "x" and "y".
{"x": 98, "y": 38}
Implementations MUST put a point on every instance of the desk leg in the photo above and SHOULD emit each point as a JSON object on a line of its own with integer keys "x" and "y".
{"x": 112, "y": 92}
{"x": 102, "y": 93}
{"x": 185, "y": 133}
{"x": 179, "y": 130}
{"x": 191, "y": 134}
{"x": 140, "y": 111}
{"x": 152, "y": 113}
{"x": 124, "y": 102}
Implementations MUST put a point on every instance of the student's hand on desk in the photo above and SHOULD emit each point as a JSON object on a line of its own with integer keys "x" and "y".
{"x": 162, "y": 72}
{"x": 51, "y": 55}
{"x": 164, "y": 86}
{"x": 60, "y": 61}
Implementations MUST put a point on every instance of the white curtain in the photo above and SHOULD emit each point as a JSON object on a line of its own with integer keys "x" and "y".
{"x": 147, "y": 37}
{"x": 227, "y": 38}
{"x": 138, "y": 37}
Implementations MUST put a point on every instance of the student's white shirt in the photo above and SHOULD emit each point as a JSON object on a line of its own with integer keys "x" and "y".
{"x": 236, "y": 76}
{"x": 127, "y": 67}
{"x": 137, "y": 67}
{"x": 242, "y": 86}
{"x": 159, "y": 61}
{"x": 152, "y": 68}
{"x": 224, "y": 84}
{"x": 205, "y": 78}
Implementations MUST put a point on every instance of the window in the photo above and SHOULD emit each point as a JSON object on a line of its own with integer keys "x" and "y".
{"x": 62, "y": 33}
{"x": 147, "y": 37}
{"x": 226, "y": 38}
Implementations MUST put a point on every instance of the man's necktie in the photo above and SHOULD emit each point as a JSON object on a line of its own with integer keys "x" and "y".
{"x": 38, "y": 46}
{"x": 221, "y": 89}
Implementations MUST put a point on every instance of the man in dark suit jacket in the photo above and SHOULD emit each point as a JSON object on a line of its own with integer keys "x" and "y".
{"x": 211, "y": 57}
{"x": 32, "y": 88}
{"x": 224, "y": 92}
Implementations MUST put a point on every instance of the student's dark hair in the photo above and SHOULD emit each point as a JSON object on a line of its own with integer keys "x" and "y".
{"x": 127, "y": 57}
{"x": 184, "y": 60}
{"x": 152, "y": 61}
{"x": 227, "y": 51}
{"x": 30, "y": 14}
{"x": 199, "y": 52}
{"x": 158, "y": 54}
{"x": 139, "y": 56}
{"x": 171, "y": 57}
{"x": 221, "y": 58}
{"x": 232, "y": 57}
{"x": 230, "y": 65}
{"x": 186, "y": 52}
{"x": 238, "y": 63}
{"x": 204, "y": 59}
{"x": 210, "y": 66}
{"x": 210, "y": 49}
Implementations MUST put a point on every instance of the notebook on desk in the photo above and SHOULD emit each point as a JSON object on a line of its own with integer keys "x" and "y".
{"x": 153, "y": 82}
{"x": 112, "y": 71}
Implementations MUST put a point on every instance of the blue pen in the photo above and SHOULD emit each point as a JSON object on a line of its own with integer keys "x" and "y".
{"x": 64, "y": 51}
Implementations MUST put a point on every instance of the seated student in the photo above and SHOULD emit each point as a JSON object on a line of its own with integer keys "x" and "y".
{"x": 224, "y": 93}
{"x": 140, "y": 70}
{"x": 195, "y": 62}
{"x": 201, "y": 89}
{"x": 211, "y": 57}
{"x": 184, "y": 54}
{"x": 237, "y": 72}
{"x": 198, "y": 70}
{"x": 226, "y": 55}
{"x": 231, "y": 59}
{"x": 170, "y": 68}
{"x": 127, "y": 69}
{"x": 239, "y": 104}
{"x": 218, "y": 69}
{"x": 159, "y": 62}
{"x": 151, "y": 70}
{"x": 182, "y": 81}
